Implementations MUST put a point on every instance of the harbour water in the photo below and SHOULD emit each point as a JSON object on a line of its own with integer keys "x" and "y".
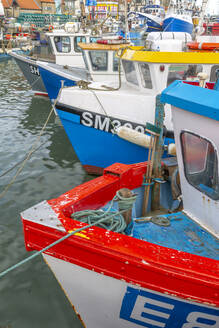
{"x": 30, "y": 296}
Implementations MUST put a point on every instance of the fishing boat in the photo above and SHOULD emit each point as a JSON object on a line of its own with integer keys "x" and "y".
{"x": 18, "y": 45}
{"x": 94, "y": 115}
{"x": 100, "y": 61}
{"x": 211, "y": 28}
{"x": 178, "y": 17}
{"x": 150, "y": 16}
{"x": 61, "y": 47}
{"x": 156, "y": 267}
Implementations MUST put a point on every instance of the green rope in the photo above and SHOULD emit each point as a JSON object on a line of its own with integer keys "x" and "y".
{"x": 3, "y": 273}
{"x": 113, "y": 223}
{"x": 102, "y": 218}
{"x": 125, "y": 203}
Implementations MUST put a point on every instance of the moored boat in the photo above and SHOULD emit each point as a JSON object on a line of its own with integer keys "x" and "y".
{"x": 61, "y": 48}
{"x": 178, "y": 17}
{"x": 100, "y": 61}
{"x": 19, "y": 43}
{"x": 150, "y": 16}
{"x": 93, "y": 114}
{"x": 163, "y": 270}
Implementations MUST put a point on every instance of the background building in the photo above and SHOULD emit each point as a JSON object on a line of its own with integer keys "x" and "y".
{"x": 68, "y": 7}
{"x": 13, "y": 8}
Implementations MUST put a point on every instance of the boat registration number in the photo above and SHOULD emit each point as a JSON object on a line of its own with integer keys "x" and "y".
{"x": 34, "y": 70}
{"x": 151, "y": 309}
{"x": 107, "y": 124}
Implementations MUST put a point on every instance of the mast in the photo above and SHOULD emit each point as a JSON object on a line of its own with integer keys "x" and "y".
{"x": 126, "y": 19}
{"x": 204, "y": 6}
{"x": 201, "y": 19}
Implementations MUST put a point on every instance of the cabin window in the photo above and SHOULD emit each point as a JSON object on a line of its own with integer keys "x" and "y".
{"x": 44, "y": 50}
{"x": 77, "y": 40}
{"x": 115, "y": 63}
{"x": 183, "y": 72}
{"x": 99, "y": 60}
{"x": 62, "y": 44}
{"x": 145, "y": 75}
{"x": 200, "y": 164}
{"x": 49, "y": 46}
{"x": 213, "y": 77}
{"x": 93, "y": 39}
{"x": 130, "y": 72}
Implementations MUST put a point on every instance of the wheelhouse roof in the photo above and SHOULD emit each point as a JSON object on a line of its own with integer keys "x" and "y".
{"x": 142, "y": 55}
{"x": 193, "y": 99}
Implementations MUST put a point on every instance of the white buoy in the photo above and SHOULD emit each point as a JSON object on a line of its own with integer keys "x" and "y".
{"x": 140, "y": 139}
{"x": 133, "y": 136}
{"x": 172, "y": 149}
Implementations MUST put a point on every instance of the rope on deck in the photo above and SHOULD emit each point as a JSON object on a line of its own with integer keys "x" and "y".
{"x": 115, "y": 223}
{"x": 126, "y": 203}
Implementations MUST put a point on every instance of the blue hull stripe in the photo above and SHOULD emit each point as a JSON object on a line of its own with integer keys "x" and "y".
{"x": 97, "y": 147}
{"x": 52, "y": 82}
{"x": 172, "y": 24}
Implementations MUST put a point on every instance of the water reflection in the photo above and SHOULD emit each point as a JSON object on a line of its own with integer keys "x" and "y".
{"x": 30, "y": 295}
{"x": 59, "y": 146}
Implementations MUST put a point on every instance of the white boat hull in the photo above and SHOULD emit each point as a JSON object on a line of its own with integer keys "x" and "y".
{"x": 106, "y": 302}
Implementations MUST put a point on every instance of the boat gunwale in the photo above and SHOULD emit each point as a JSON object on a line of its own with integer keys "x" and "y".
{"x": 159, "y": 260}
{"x": 164, "y": 57}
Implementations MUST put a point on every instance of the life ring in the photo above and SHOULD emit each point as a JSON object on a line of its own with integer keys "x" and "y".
{"x": 206, "y": 46}
{"x": 111, "y": 41}
{"x": 8, "y": 36}
{"x": 51, "y": 28}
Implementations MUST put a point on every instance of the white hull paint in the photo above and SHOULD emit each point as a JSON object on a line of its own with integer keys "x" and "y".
{"x": 119, "y": 104}
{"x": 106, "y": 302}
{"x": 82, "y": 285}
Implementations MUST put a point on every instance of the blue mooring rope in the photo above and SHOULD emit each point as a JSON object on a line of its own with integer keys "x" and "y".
{"x": 99, "y": 221}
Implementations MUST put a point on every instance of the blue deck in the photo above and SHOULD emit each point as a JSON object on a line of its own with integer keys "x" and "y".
{"x": 183, "y": 234}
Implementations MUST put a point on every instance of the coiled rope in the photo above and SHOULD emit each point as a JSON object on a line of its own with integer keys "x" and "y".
{"x": 125, "y": 203}
{"x": 114, "y": 221}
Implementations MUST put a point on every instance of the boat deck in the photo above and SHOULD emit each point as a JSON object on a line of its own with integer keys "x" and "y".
{"x": 181, "y": 233}
{"x": 72, "y": 72}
